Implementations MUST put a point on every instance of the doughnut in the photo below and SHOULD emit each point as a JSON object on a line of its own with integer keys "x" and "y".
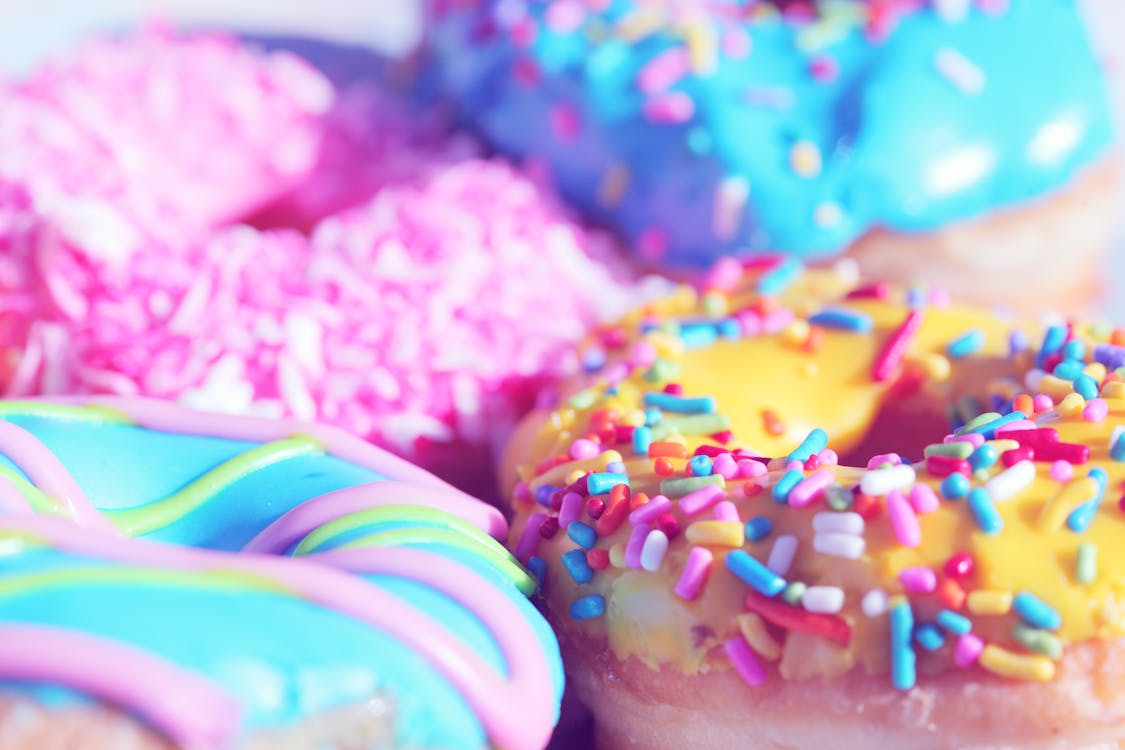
{"x": 728, "y": 562}
{"x": 174, "y": 578}
{"x": 907, "y": 134}
{"x": 378, "y": 297}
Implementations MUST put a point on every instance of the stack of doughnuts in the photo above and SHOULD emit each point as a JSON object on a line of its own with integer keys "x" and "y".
{"x": 953, "y": 142}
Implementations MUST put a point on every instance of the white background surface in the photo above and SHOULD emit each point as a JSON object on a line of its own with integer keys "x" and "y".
{"x": 32, "y": 28}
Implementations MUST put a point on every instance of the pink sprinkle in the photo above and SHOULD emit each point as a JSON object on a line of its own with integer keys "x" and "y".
{"x": 565, "y": 16}
{"x": 1095, "y": 410}
{"x": 748, "y": 468}
{"x": 918, "y": 580}
{"x": 652, "y": 244}
{"x": 810, "y": 488}
{"x": 745, "y": 661}
{"x": 967, "y": 650}
{"x": 828, "y": 457}
{"x": 724, "y": 275}
{"x": 727, "y": 511}
{"x": 528, "y": 544}
{"x": 663, "y": 71}
{"x": 903, "y": 519}
{"x": 750, "y": 323}
{"x": 795, "y": 465}
{"x": 672, "y": 108}
{"x": 737, "y": 43}
{"x": 650, "y": 511}
{"x": 876, "y": 461}
{"x": 974, "y": 439}
{"x": 643, "y": 354}
{"x": 565, "y": 122}
{"x": 1042, "y": 402}
{"x": 582, "y": 448}
{"x": 923, "y": 499}
{"x": 694, "y": 576}
{"x": 570, "y": 510}
{"x": 1062, "y": 471}
{"x": 701, "y": 499}
{"x": 777, "y": 320}
{"x": 1022, "y": 424}
{"x": 824, "y": 68}
{"x": 635, "y": 545}
{"x": 725, "y": 466}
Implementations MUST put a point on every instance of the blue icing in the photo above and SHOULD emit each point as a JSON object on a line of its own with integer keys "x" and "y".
{"x": 902, "y": 145}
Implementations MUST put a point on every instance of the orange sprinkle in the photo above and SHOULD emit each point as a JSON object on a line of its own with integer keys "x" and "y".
{"x": 615, "y": 511}
{"x": 1024, "y": 403}
{"x": 751, "y": 488}
{"x": 867, "y": 506}
{"x": 773, "y": 424}
{"x": 637, "y": 500}
{"x": 666, "y": 449}
{"x": 551, "y": 462}
{"x": 951, "y": 594}
{"x": 815, "y": 339}
{"x": 663, "y": 467}
{"x": 1117, "y": 338}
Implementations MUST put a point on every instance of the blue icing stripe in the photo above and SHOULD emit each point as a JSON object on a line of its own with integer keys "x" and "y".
{"x": 901, "y": 143}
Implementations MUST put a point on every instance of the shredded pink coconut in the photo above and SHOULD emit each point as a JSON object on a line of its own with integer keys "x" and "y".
{"x": 421, "y": 318}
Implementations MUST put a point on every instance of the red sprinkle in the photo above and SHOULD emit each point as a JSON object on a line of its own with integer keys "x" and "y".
{"x": 595, "y": 507}
{"x": 674, "y": 389}
{"x": 1072, "y": 452}
{"x": 878, "y": 290}
{"x": 890, "y": 358}
{"x": 598, "y": 559}
{"x": 1035, "y": 437}
{"x": 667, "y": 523}
{"x": 623, "y": 434}
{"x": 960, "y": 566}
{"x": 786, "y": 616}
{"x": 812, "y": 463}
{"x": 722, "y": 438}
{"x": 943, "y": 466}
{"x": 951, "y": 594}
{"x": 616, "y": 512}
{"x": 1015, "y": 455}
{"x": 867, "y": 506}
{"x": 549, "y": 527}
{"x": 773, "y": 424}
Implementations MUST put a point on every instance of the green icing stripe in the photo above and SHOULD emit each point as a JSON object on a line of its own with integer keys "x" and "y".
{"x": 161, "y": 513}
{"x": 67, "y": 412}
{"x": 39, "y": 501}
{"x": 62, "y": 577}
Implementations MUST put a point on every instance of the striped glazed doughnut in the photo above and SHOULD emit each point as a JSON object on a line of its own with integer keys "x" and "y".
{"x": 909, "y": 133}
{"x": 175, "y": 578}
{"x": 708, "y": 596}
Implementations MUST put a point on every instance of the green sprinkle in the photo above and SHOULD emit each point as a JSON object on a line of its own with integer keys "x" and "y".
{"x": 1040, "y": 641}
{"x": 714, "y": 304}
{"x": 1086, "y": 565}
{"x": 583, "y": 399}
{"x": 680, "y": 486}
{"x": 793, "y": 592}
{"x": 662, "y": 370}
{"x": 960, "y": 449}
{"x": 977, "y": 421}
{"x": 690, "y": 424}
{"x": 838, "y": 497}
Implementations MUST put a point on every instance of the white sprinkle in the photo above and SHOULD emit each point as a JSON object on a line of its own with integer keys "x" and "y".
{"x": 1033, "y": 378}
{"x": 840, "y": 545}
{"x": 879, "y": 482}
{"x": 838, "y": 523}
{"x": 823, "y": 599}
{"x": 960, "y": 71}
{"x": 730, "y": 200}
{"x": 874, "y": 603}
{"x": 1116, "y": 434}
{"x": 653, "y": 551}
{"x": 952, "y": 11}
{"x": 1016, "y": 477}
{"x": 782, "y": 554}
{"x": 828, "y": 214}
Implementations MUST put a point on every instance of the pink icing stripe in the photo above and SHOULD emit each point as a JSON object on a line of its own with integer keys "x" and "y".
{"x": 11, "y": 499}
{"x": 189, "y": 709}
{"x": 310, "y": 515}
{"x": 48, "y": 474}
{"x": 517, "y": 712}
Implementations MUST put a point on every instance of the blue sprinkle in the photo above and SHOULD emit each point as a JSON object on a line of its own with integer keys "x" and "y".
{"x": 1074, "y": 349}
{"x": 575, "y": 563}
{"x": 814, "y": 442}
{"x": 698, "y": 335}
{"x": 593, "y": 360}
{"x": 1068, "y": 369}
{"x": 1017, "y": 342}
{"x": 903, "y": 658}
{"x": 1086, "y": 387}
{"x": 915, "y": 297}
{"x": 1052, "y": 341}
{"x": 543, "y": 494}
{"x": 615, "y": 467}
{"x": 729, "y": 328}
{"x": 988, "y": 429}
{"x": 774, "y": 282}
{"x": 678, "y": 404}
{"x": 758, "y": 527}
{"x": 1081, "y": 517}
{"x": 929, "y": 636}
{"x": 601, "y": 483}
{"x": 701, "y": 466}
{"x": 954, "y": 622}
{"x": 1117, "y": 452}
{"x": 1109, "y": 355}
{"x": 1036, "y": 612}
{"x": 758, "y": 576}
{"x": 653, "y": 416}
{"x": 998, "y": 403}
{"x": 537, "y": 566}
{"x": 984, "y": 511}
{"x": 785, "y": 485}
{"x": 954, "y": 486}
{"x": 642, "y": 439}
{"x": 588, "y": 607}
{"x": 967, "y": 343}
{"x": 842, "y": 318}
{"x": 983, "y": 457}
{"x": 582, "y": 534}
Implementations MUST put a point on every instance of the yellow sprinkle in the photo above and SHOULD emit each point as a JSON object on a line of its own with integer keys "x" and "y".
{"x": 1055, "y": 387}
{"x": 1002, "y": 445}
{"x": 614, "y": 183}
{"x": 935, "y": 366}
{"x": 989, "y": 602}
{"x": 1005, "y": 663}
{"x": 702, "y": 47}
{"x": 896, "y": 600}
{"x": 805, "y": 159}
{"x": 714, "y": 303}
{"x": 1070, "y": 496}
{"x": 676, "y": 438}
{"x": 1115, "y": 389}
{"x": 562, "y": 419}
{"x": 667, "y": 345}
{"x": 635, "y": 418}
{"x": 617, "y": 555}
{"x": 753, "y": 629}
{"x": 574, "y": 476}
{"x": 716, "y": 533}
{"x": 810, "y": 369}
{"x": 796, "y": 333}
{"x": 1096, "y": 370}
{"x": 640, "y": 23}
{"x": 1071, "y": 405}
